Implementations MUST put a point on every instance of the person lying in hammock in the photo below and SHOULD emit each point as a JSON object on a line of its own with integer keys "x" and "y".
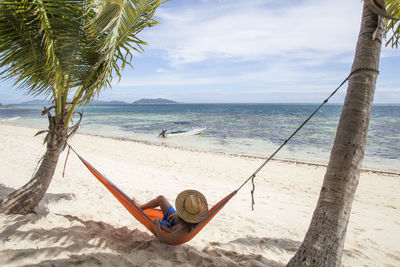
{"x": 191, "y": 207}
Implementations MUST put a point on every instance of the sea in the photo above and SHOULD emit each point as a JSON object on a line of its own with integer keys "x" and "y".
{"x": 254, "y": 130}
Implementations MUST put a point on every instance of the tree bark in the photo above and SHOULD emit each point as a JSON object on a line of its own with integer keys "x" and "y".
{"x": 26, "y": 198}
{"x": 324, "y": 241}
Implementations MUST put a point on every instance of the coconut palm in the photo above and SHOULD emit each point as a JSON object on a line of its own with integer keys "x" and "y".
{"x": 324, "y": 241}
{"x": 67, "y": 51}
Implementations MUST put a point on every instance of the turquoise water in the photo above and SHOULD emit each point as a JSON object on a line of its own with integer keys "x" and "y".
{"x": 249, "y": 129}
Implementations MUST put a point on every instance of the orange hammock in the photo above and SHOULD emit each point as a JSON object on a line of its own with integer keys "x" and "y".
{"x": 146, "y": 217}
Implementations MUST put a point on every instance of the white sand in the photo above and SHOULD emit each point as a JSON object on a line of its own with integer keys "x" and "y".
{"x": 79, "y": 223}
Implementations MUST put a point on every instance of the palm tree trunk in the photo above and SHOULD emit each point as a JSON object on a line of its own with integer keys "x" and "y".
{"x": 324, "y": 241}
{"x": 26, "y": 198}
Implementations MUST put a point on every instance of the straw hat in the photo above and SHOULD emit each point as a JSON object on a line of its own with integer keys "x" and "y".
{"x": 191, "y": 206}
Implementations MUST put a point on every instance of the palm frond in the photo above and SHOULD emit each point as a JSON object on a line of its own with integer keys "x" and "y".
{"x": 393, "y": 26}
{"x": 56, "y": 47}
{"x": 115, "y": 30}
{"x": 33, "y": 48}
{"x": 21, "y": 55}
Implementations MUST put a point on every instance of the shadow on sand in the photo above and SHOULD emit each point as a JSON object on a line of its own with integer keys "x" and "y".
{"x": 94, "y": 243}
{"x": 42, "y": 207}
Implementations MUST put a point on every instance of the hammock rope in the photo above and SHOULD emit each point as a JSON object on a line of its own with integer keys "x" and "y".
{"x": 296, "y": 131}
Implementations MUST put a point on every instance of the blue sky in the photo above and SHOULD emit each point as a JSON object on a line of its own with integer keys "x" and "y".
{"x": 235, "y": 51}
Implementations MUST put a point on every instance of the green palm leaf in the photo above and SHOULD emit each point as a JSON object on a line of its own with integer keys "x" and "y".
{"x": 56, "y": 48}
{"x": 393, "y": 26}
{"x": 115, "y": 28}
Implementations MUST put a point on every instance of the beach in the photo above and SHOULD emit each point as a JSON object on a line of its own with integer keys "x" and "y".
{"x": 79, "y": 223}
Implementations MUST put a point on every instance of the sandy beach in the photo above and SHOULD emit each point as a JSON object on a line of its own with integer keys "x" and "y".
{"x": 79, "y": 223}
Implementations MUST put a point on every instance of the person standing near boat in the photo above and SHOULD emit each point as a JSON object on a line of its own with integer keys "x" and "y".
{"x": 163, "y": 133}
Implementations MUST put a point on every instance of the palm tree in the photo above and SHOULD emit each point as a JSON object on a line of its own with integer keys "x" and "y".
{"x": 324, "y": 241}
{"x": 67, "y": 51}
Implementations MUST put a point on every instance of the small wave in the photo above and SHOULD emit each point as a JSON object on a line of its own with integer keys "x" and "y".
{"x": 11, "y": 119}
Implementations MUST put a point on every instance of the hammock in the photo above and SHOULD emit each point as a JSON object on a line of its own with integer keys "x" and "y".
{"x": 146, "y": 217}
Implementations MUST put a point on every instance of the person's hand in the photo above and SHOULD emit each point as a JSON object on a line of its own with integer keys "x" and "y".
{"x": 173, "y": 216}
{"x": 158, "y": 228}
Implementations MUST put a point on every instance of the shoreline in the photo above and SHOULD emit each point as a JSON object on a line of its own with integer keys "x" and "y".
{"x": 283, "y": 160}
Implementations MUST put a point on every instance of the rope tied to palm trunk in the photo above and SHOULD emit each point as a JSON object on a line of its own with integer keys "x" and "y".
{"x": 63, "y": 134}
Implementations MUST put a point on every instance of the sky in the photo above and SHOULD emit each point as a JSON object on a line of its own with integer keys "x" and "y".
{"x": 246, "y": 51}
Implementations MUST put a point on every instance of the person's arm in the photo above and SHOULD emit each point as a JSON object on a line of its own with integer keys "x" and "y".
{"x": 169, "y": 238}
{"x": 173, "y": 216}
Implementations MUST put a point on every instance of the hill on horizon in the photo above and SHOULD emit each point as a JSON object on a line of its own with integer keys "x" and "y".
{"x": 36, "y": 102}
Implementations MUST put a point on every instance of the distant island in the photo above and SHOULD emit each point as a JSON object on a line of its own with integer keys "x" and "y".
{"x": 146, "y": 101}
{"x": 36, "y": 102}
{"x": 100, "y": 103}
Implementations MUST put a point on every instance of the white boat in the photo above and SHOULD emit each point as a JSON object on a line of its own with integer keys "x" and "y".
{"x": 184, "y": 132}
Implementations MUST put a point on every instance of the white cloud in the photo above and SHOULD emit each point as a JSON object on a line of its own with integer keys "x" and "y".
{"x": 284, "y": 75}
{"x": 248, "y": 30}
